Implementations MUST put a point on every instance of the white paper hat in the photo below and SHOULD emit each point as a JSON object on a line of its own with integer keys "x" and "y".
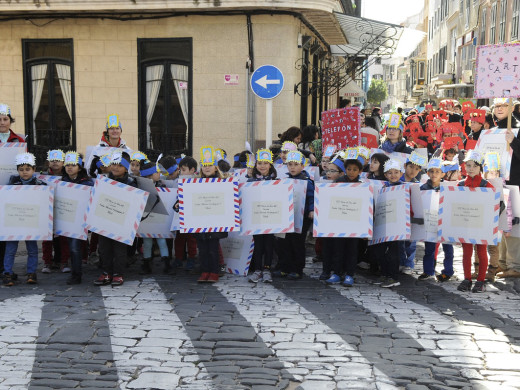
{"x": 25, "y": 158}
{"x": 393, "y": 164}
{"x": 474, "y": 155}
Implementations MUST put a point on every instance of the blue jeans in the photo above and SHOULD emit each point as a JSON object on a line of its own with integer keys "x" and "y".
{"x": 75, "y": 255}
{"x": 10, "y": 252}
{"x": 147, "y": 247}
{"x": 407, "y": 251}
{"x": 429, "y": 258}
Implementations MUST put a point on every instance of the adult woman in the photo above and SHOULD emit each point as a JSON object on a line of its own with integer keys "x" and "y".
{"x": 294, "y": 134}
{"x": 393, "y": 140}
{"x": 112, "y": 136}
{"x": 6, "y": 134}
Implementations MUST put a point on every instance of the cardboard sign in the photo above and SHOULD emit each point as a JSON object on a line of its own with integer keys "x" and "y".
{"x": 8, "y": 152}
{"x": 343, "y": 210}
{"x": 267, "y": 207}
{"x": 340, "y": 127}
{"x": 514, "y": 195}
{"x": 70, "y": 206}
{"x": 496, "y": 73}
{"x": 392, "y": 215}
{"x": 368, "y": 138}
{"x": 99, "y": 151}
{"x": 425, "y": 206}
{"x": 208, "y": 205}
{"x": 495, "y": 141}
{"x": 26, "y": 213}
{"x": 468, "y": 215}
{"x": 237, "y": 251}
{"x": 156, "y": 224}
{"x": 115, "y": 210}
{"x": 300, "y": 193}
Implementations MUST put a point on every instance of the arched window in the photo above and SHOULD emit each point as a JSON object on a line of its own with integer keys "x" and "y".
{"x": 165, "y": 96}
{"x": 49, "y": 95}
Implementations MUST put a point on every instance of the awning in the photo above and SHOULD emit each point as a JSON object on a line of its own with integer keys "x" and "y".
{"x": 351, "y": 89}
{"x": 366, "y": 37}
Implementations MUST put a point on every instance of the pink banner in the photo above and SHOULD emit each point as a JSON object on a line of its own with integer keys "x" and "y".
{"x": 497, "y": 71}
{"x": 340, "y": 127}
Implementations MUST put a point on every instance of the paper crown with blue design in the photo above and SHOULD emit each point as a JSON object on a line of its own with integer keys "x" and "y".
{"x": 329, "y": 150}
{"x": 25, "y": 159}
{"x": 73, "y": 158}
{"x": 55, "y": 155}
{"x": 264, "y": 155}
{"x": 491, "y": 162}
{"x": 289, "y": 146}
{"x": 220, "y": 154}
{"x": 337, "y": 161}
{"x": 448, "y": 166}
{"x": 500, "y": 101}
{"x": 207, "y": 156}
{"x": 353, "y": 154}
{"x": 417, "y": 159}
{"x": 138, "y": 156}
{"x": 295, "y": 156}
{"x": 475, "y": 156}
{"x": 393, "y": 164}
{"x": 149, "y": 168}
{"x": 118, "y": 159}
{"x": 435, "y": 163}
{"x": 113, "y": 121}
{"x": 104, "y": 161}
{"x": 364, "y": 152}
{"x": 395, "y": 121}
{"x": 5, "y": 109}
{"x": 250, "y": 161}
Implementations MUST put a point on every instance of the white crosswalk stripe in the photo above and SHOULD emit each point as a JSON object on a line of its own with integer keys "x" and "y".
{"x": 19, "y": 323}
{"x": 150, "y": 345}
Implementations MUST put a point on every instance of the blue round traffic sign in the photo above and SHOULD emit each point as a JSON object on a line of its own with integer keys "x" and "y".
{"x": 267, "y": 82}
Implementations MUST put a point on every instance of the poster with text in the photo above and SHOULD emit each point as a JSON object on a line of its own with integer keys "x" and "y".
{"x": 237, "y": 251}
{"x": 208, "y": 205}
{"x": 340, "y": 127}
{"x": 392, "y": 215}
{"x": 115, "y": 210}
{"x": 26, "y": 213}
{"x": 8, "y": 152}
{"x": 468, "y": 215}
{"x": 425, "y": 206}
{"x": 495, "y": 141}
{"x": 70, "y": 208}
{"x": 267, "y": 207}
{"x": 157, "y": 225}
{"x": 343, "y": 210}
{"x": 300, "y": 192}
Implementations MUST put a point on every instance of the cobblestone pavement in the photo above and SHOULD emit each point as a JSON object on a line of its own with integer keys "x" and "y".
{"x": 167, "y": 332}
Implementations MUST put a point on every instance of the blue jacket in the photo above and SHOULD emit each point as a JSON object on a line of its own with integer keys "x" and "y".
{"x": 388, "y": 184}
{"x": 15, "y": 180}
{"x": 309, "y": 197}
{"x": 80, "y": 179}
{"x": 260, "y": 178}
{"x": 126, "y": 179}
{"x": 428, "y": 186}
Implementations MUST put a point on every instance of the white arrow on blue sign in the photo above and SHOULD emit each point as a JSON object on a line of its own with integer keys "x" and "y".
{"x": 267, "y": 82}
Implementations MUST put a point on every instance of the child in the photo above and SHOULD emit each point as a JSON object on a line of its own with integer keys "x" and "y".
{"x": 26, "y": 167}
{"x": 186, "y": 241}
{"x": 436, "y": 173}
{"x": 75, "y": 173}
{"x": 387, "y": 253}
{"x": 287, "y": 146}
{"x": 208, "y": 242}
{"x": 135, "y": 159}
{"x": 264, "y": 243}
{"x": 55, "y": 160}
{"x": 150, "y": 170}
{"x": 377, "y": 166}
{"x": 293, "y": 245}
{"x": 113, "y": 254}
{"x": 412, "y": 167}
{"x": 474, "y": 179}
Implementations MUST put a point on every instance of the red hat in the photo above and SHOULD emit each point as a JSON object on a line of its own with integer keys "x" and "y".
{"x": 442, "y": 115}
{"x": 468, "y": 105}
{"x": 475, "y": 115}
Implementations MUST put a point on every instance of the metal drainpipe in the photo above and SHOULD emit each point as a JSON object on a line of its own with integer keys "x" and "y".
{"x": 250, "y": 98}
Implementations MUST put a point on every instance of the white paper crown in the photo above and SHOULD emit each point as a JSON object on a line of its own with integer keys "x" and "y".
{"x": 474, "y": 155}
{"x": 435, "y": 163}
{"x": 364, "y": 151}
{"x": 5, "y": 109}
{"x": 25, "y": 158}
{"x": 417, "y": 159}
{"x": 500, "y": 101}
{"x": 393, "y": 164}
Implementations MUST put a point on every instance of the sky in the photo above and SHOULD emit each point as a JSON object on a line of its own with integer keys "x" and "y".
{"x": 391, "y": 11}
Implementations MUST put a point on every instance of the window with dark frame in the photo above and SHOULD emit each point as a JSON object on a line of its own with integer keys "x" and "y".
{"x": 515, "y": 20}
{"x": 165, "y": 96}
{"x": 493, "y": 24}
{"x": 502, "y": 22}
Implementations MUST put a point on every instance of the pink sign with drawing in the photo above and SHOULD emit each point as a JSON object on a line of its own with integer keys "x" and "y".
{"x": 498, "y": 71}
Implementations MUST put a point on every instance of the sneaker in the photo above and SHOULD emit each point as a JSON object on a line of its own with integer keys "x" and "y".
{"x": 348, "y": 282}
{"x": 334, "y": 279}
{"x": 222, "y": 270}
{"x": 294, "y": 276}
{"x": 380, "y": 280}
{"x": 103, "y": 279}
{"x": 203, "y": 277}
{"x": 363, "y": 265}
{"x": 324, "y": 275}
{"x": 390, "y": 283}
{"x": 46, "y": 269}
{"x": 479, "y": 287}
{"x": 280, "y": 274}
{"x": 256, "y": 277}
{"x": 8, "y": 280}
{"x": 443, "y": 278}
{"x": 31, "y": 279}
{"x": 65, "y": 269}
{"x": 213, "y": 278}
{"x": 424, "y": 276}
{"x": 177, "y": 263}
{"x": 407, "y": 270}
{"x": 74, "y": 279}
{"x": 117, "y": 280}
{"x": 190, "y": 264}
{"x": 266, "y": 277}
{"x": 465, "y": 285}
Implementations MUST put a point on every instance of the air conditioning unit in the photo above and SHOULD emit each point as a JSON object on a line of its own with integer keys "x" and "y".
{"x": 467, "y": 76}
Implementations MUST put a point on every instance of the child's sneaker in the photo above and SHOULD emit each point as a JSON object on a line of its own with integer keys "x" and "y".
{"x": 280, "y": 274}
{"x": 190, "y": 265}
{"x": 465, "y": 285}
{"x": 103, "y": 279}
{"x": 31, "y": 279}
{"x": 294, "y": 276}
{"x": 266, "y": 277}
{"x": 65, "y": 269}
{"x": 390, "y": 283}
{"x": 177, "y": 263}
{"x": 425, "y": 276}
{"x": 213, "y": 278}
{"x": 334, "y": 279}
{"x": 117, "y": 280}
{"x": 380, "y": 280}
{"x": 348, "y": 281}
{"x": 479, "y": 287}
{"x": 443, "y": 278}
{"x": 256, "y": 277}
{"x": 46, "y": 269}
{"x": 407, "y": 271}
{"x": 324, "y": 276}
{"x": 8, "y": 280}
{"x": 203, "y": 277}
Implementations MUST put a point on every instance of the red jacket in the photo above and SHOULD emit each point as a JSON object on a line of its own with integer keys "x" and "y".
{"x": 475, "y": 182}
{"x": 13, "y": 137}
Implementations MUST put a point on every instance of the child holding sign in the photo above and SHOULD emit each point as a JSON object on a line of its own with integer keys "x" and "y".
{"x": 26, "y": 167}
{"x": 75, "y": 173}
{"x": 264, "y": 243}
{"x": 474, "y": 162}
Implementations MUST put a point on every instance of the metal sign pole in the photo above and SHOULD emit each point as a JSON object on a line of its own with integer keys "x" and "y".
{"x": 268, "y": 122}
